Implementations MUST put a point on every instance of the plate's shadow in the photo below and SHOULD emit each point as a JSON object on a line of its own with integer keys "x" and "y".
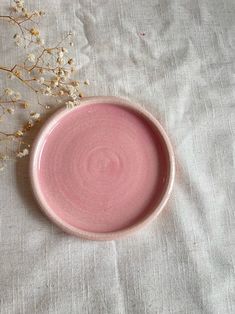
{"x": 23, "y": 177}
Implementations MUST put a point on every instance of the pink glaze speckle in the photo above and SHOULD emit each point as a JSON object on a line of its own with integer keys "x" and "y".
{"x": 103, "y": 167}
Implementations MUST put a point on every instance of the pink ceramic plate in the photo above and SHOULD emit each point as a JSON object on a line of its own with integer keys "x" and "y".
{"x": 103, "y": 169}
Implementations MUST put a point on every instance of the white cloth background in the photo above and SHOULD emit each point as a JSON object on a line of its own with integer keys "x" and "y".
{"x": 182, "y": 71}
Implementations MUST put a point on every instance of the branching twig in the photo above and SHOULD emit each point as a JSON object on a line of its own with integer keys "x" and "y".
{"x": 45, "y": 72}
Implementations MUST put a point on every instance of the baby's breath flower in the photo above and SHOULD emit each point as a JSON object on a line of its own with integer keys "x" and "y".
{"x": 47, "y": 91}
{"x": 60, "y": 72}
{"x": 19, "y": 3}
{"x": 40, "y": 41}
{"x": 8, "y": 92}
{"x": 54, "y": 84}
{"x": 70, "y": 89}
{"x": 28, "y": 126}
{"x": 61, "y": 54}
{"x": 64, "y": 50}
{"x": 17, "y": 73}
{"x": 11, "y": 76}
{"x": 41, "y": 80}
{"x": 11, "y": 110}
{"x": 4, "y": 157}
{"x": 35, "y": 116}
{"x": 26, "y": 13}
{"x": 66, "y": 73}
{"x": 31, "y": 57}
{"x": 2, "y": 167}
{"x": 70, "y": 61}
{"x": 19, "y": 133}
{"x": 25, "y": 105}
{"x": 18, "y": 40}
{"x": 74, "y": 96}
{"x": 59, "y": 60}
{"x": 55, "y": 81}
{"x": 70, "y": 104}
{"x": 87, "y": 82}
{"x": 73, "y": 69}
{"x": 23, "y": 153}
{"x": 33, "y": 31}
{"x": 17, "y": 96}
{"x": 76, "y": 83}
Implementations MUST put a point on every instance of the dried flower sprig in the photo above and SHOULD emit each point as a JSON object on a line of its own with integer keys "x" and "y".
{"x": 46, "y": 71}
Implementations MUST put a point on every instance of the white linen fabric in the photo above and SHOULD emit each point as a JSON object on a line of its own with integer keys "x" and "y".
{"x": 176, "y": 58}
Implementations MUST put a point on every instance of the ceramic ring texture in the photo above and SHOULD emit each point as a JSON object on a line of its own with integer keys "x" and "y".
{"x": 103, "y": 169}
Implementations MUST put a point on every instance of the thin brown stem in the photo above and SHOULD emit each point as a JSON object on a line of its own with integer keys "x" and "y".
{"x": 10, "y": 18}
{"x": 7, "y": 134}
{"x": 8, "y": 101}
{"x": 28, "y": 18}
{"x": 19, "y": 78}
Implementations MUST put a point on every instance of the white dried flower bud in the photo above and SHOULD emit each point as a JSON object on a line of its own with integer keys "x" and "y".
{"x": 60, "y": 72}
{"x": 74, "y": 69}
{"x": 55, "y": 82}
{"x": 47, "y": 91}
{"x": 4, "y": 157}
{"x": 64, "y": 49}
{"x": 70, "y": 89}
{"x": 11, "y": 76}
{"x": 35, "y": 116}
{"x": 17, "y": 96}
{"x": 23, "y": 153}
{"x": 8, "y": 92}
{"x": 67, "y": 73}
{"x": 74, "y": 96}
{"x": 87, "y": 82}
{"x": 19, "y": 3}
{"x": 19, "y": 42}
{"x": 76, "y": 83}
{"x": 41, "y": 80}
{"x": 70, "y": 104}
{"x": 40, "y": 41}
{"x": 11, "y": 110}
{"x": 31, "y": 57}
{"x": 19, "y": 133}
{"x": 59, "y": 60}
